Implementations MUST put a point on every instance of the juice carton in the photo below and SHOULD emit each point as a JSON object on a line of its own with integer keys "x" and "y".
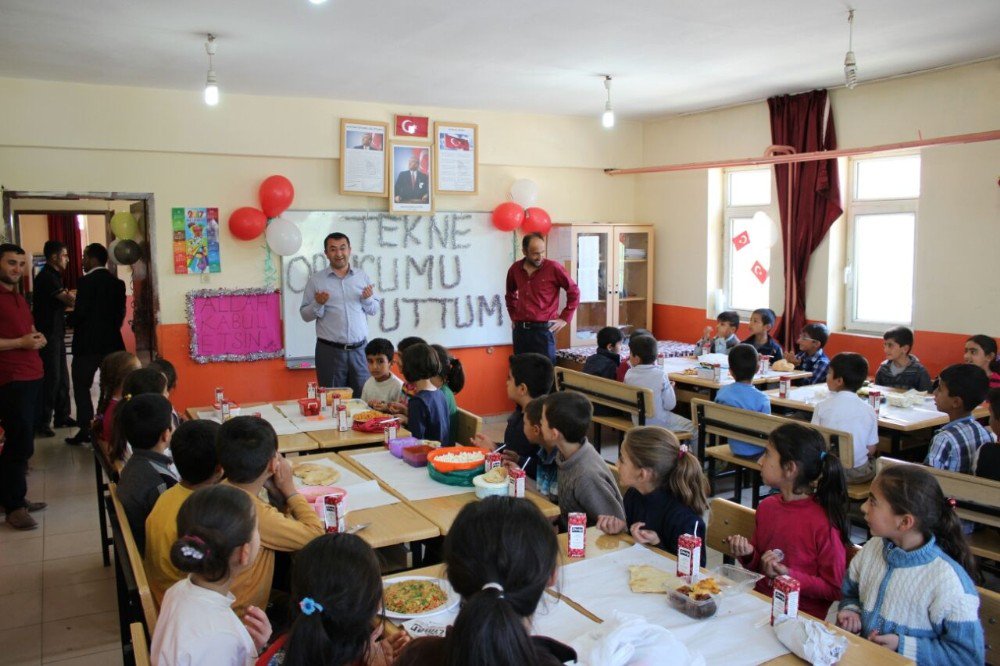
{"x": 576, "y": 544}
{"x": 515, "y": 483}
{"x": 785, "y": 600}
{"x": 688, "y": 554}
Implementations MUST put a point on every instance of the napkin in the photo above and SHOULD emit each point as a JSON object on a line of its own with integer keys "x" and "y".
{"x": 810, "y": 640}
{"x": 629, "y": 639}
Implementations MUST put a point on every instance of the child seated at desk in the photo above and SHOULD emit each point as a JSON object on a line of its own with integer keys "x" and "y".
{"x": 427, "y": 409}
{"x": 961, "y": 388}
{"x": 408, "y": 390}
{"x": 760, "y": 325}
{"x": 139, "y": 382}
{"x": 724, "y": 337}
{"x": 845, "y": 410}
{"x": 248, "y": 452}
{"x": 988, "y": 456}
{"x": 646, "y": 373}
{"x": 167, "y": 369}
{"x": 449, "y": 381}
{"x": 981, "y": 350}
{"x": 811, "y": 357}
{"x": 586, "y": 484}
{"x": 901, "y": 369}
{"x": 605, "y": 361}
{"x": 115, "y": 367}
{"x": 546, "y": 470}
{"x": 382, "y": 388}
{"x": 743, "y": 362}
{"x": 911, "y": 589}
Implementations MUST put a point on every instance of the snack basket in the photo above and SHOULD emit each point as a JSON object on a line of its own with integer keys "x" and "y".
{"x": 455, "y": 478}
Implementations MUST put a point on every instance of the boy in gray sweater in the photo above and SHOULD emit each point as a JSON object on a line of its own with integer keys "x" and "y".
{"x": 586, "y": 484}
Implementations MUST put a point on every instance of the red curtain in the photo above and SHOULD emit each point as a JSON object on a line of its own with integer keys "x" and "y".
{"x": 805, "y": 123}
{"x": 63, "y": 227}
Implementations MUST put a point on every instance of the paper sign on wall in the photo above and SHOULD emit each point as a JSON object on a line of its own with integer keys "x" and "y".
{"x": 196, "y": 240}
{"x": 234, "y": 324}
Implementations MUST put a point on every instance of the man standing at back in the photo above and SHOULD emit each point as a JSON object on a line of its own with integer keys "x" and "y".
{"x": 97, "y": 330}
{"x": 339, "y": 299}
{"x": 533, "y": 285}
{"x": 20, "y": 386}
{"x": 48, "y": 306}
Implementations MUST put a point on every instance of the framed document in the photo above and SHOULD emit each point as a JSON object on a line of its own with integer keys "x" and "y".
{"x": 362, "y": 158}
{"x": 410, "y": 191}
{"x": 456, "y": 158}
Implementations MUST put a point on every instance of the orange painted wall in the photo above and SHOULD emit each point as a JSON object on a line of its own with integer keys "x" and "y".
{"x": 934, "y": 349}
{"x": 270, "y": 380}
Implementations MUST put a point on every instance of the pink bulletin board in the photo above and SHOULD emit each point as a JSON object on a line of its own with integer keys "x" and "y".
{"x": 234, "y": 324}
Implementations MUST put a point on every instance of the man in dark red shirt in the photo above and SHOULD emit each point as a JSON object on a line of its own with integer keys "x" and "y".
{"x": 533, "y": 286}
{"x": 20, "y": 386}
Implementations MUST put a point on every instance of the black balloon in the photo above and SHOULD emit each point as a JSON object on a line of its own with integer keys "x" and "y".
{"x": 127, "y": 252}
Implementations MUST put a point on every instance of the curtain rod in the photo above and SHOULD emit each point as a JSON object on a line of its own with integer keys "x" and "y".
{"x": 954, "y": 139}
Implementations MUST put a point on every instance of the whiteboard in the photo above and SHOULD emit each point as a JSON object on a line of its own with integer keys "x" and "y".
{"x": 440, "y": 277}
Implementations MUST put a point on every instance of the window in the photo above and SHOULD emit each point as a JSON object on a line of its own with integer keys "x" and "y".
{"x": 751, "y": 230}
{"x": 881, "y": 233}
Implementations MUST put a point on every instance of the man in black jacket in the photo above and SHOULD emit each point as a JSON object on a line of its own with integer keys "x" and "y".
{"x": 97, "y": 322}
{"x": 49, "y": 300}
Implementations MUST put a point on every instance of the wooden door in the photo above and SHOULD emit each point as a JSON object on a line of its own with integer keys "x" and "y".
{"x": 142, "y": 313}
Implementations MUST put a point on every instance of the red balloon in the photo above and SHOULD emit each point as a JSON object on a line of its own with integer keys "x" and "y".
{"x": 247, "y": 223}
{"x": 536, "y": 221}
{"x": 276, "y": 194}
{"x": 508, "y": 216}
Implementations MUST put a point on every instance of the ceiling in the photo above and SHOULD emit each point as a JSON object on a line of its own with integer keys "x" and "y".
{"x": 538, "y": 56}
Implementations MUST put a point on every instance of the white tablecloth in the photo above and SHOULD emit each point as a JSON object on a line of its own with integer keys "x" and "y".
{"x": 412, "y": 482}
{"x": 362, "y": 493}
{"x": 739, "y": 633}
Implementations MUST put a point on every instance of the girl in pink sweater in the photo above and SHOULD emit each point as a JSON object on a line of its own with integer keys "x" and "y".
{"x": 803, "y": 532}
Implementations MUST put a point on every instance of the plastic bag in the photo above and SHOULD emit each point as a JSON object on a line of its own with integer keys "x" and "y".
{"x": 810, "y": 640}
{"x": 627, "y": 639}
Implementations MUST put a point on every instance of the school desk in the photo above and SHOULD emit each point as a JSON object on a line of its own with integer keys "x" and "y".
{"x": 295, "y": 442}
{"x": 678, "y": 370}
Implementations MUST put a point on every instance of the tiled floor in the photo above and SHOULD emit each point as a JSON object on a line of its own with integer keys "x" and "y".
{"x": 57, "y": 601}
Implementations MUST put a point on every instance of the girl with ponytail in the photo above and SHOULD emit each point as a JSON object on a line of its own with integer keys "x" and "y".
{"x": 336, "y": 607}
{"x": 911, "y": 589}
{"x": 981, "y": 350}
{"x": 500, "y": 592}
{"x": 450, "y": 381}
{"x": 218, "y": 539}
{"x": 802, "y": 531}
{"x": 667, "y": 492}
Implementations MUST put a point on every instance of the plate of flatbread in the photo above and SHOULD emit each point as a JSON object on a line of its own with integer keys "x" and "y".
{"x": 646, "y": 579}
{"x": 314, "y": 474}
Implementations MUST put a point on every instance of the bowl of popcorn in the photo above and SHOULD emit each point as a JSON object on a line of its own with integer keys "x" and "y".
{"x": 456, "y": 458}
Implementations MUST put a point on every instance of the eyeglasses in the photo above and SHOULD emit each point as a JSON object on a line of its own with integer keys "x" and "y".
{"x": 806, "y": 338}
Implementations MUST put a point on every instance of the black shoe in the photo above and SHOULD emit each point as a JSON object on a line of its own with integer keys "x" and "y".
{"x": 78, "y": 439}
{"x": 45, "y": 431}
{"x": 68, "y": 422}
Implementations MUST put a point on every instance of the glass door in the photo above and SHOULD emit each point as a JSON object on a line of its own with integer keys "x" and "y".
{"x": 633, "y": 278}
{"x": 591, "y": 262}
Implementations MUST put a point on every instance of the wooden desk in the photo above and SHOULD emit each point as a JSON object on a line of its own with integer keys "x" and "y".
{"x": 860, "y": 652}
{"x": 442, "y": 510}
{"x": 675, "y": 368}
{"x": 293, "y": 443}
{"x": 389, "y": 525}
{"x": 334, "y": 440}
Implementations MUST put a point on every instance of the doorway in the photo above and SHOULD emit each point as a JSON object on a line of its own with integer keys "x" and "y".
{"x": 25, "y": 213}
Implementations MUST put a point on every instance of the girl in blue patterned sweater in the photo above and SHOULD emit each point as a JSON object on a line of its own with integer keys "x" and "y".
{"x": 910, "y": 588}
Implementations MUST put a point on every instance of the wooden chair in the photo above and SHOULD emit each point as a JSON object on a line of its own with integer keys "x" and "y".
{"x": 469, "y": 425}
{"x": 140, "y": 646}
{"x": 726, "y": 519}
{"x": 989, "y": 617}
{"x": 103, "y": 473}
{"x": 609, "y": 393}
{"x": 146, "y": 600}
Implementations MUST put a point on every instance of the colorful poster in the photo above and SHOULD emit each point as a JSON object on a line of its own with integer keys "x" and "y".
{"x": 196, "y": 240}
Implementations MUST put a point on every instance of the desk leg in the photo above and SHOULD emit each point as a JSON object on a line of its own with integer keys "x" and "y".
{"x": 711, "y": 476}
{"x": 755, "y": 490}
{"x": 896, "y": 445}
{"x": 738, "y": 485}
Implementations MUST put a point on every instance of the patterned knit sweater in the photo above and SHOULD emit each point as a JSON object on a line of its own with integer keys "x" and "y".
{"x": 924, "y": 596}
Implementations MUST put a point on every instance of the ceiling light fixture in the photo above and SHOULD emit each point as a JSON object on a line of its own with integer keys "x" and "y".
{"x": 211, "y": 83}
{"x": 317, "y": 2}
{"x": 850, "y": 64}
{"x": 608, "y": 117}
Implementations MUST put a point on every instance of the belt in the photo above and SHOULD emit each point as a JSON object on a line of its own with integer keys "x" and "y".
{"x": 340, "y": 345}
{"x": 531, "y": 324}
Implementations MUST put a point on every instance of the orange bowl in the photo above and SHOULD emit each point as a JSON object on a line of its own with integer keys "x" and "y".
{"x": 455, "y": 466}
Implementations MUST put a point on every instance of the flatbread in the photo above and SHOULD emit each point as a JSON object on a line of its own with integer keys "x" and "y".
{"x": 645, "y": 578}
{"x": 313, "y": 474}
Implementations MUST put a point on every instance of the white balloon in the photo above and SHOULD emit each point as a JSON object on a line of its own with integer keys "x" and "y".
{"x": 524, "y": 192}
{"x": 760, "y": 217}
{"x": 111, "y": 249}
{"x": 283, "y": 236}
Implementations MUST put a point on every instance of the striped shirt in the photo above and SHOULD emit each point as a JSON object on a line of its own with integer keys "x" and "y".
{"x": 817, "y": 364}
{"x": 954, "y": 446}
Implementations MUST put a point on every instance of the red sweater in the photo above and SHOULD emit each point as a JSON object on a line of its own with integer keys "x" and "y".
{"x": 814, "y": 554}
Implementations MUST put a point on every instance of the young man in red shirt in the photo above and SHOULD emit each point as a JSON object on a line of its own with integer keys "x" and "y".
{"x": 20, "y": 387}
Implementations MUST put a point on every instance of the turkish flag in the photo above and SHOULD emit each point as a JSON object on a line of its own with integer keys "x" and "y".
{"x": 759, "y": 272}
{"x": 452, "y": 142}
{"x": 412, "y": 126}
{"x": 741, "y": 240}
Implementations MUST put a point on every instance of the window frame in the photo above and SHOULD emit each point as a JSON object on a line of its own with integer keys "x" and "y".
{"x": 855, "y": 208}
{"x": 728, "y": 214}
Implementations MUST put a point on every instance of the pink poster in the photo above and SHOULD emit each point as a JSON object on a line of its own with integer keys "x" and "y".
{"x": 234, "y": 324}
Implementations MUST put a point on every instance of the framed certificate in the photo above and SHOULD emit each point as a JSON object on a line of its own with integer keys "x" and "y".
{"x": 456, "y": 158}
{"x": 362, "y": 158}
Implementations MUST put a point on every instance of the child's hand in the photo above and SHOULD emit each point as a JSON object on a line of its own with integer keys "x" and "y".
{"x": 890, "y": 641}
{"x": 709, "y": 333}
{"x": 739, "y": 545}
{"x": 396, "y": 408}
{"x": 378, "y": 405}
{"x": 284, "y": 480}
{"x": 397, "y": 642}
{"x": 791, "y": 358}
{"x": 770, "y": 565}
{"x": 481, "y": 440}
{"x": 849, "y": 621}
{"x": 512, "y": 457}
{"x": 258, "y": 626}
{"x": 610, "y": 524}
{"x": 640, "y": 535}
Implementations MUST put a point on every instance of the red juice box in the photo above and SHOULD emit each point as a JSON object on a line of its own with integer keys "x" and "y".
{"x": 875, "y": 400}
{"x": 343, "y": 424}
{"x": 785, "y": 599}
{"x": 391, "y": 430}
{"x": 311, "y": 389}
{"x": 784, "y": 386}
{"x": 515, "y": 482}
{"x": 576, "y": 528}
{"x": 765, "y": 364}
{"x": 688, "y": 554}
{"x": 321, "y": 394}
{"x": 335, "y": 403}
{"x": 220, "y": 396}
{"x": 493, "y": 459}
{"x": 334, "y": 513}
{"x": 224, "y": 411}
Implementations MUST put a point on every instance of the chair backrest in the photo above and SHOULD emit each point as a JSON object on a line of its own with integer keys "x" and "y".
{"x": 140, "y": 646}
{"x": 109, "y": 470}
{"x": 727, "y": 519}
{"x": 600, "y": 391}
{"x": 978, "y": 498}
{"x": 711, "y": 418}
{"x": 989, "y": 617}
{"x": 469, "y": 425}
{"x": 146, "y": 599}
